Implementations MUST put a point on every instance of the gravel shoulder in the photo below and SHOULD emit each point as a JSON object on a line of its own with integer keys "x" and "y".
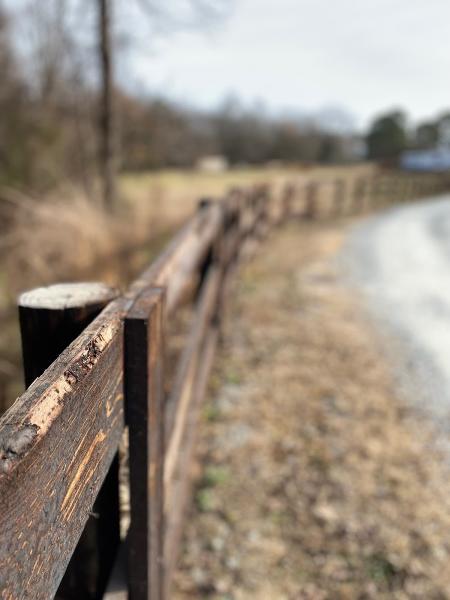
{"x": 400, "y": 261}
{"x": 315, "y": 478}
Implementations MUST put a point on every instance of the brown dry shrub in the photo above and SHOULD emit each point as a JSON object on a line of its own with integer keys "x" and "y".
{"x": 68, "y": 237}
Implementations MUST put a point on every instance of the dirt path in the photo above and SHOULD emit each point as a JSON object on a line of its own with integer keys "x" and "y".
{"x": 316, "y": 481}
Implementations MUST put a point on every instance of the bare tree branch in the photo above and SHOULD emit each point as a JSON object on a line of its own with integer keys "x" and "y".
{"x": 107, "y": 112}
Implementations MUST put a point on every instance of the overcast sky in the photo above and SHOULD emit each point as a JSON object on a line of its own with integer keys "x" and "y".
{"x": 304, "y": 55}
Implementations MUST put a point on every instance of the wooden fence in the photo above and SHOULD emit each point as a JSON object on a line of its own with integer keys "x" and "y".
{"x": 96, "y": 373}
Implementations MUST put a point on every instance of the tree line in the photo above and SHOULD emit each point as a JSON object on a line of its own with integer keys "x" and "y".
{"x": 390, "y": 134}
{"x": 64, "y": 119}
{"x": 49, "y": 102}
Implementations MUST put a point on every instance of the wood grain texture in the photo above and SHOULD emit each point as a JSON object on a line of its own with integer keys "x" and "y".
{"x": 144, "y": 355}
{"x": 57, "y": 443}
{"x": 51, "y": 318}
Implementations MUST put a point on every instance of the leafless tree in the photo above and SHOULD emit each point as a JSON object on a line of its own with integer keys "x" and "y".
{"x": 173, "y": 14}
{"x": 107, "y": 112}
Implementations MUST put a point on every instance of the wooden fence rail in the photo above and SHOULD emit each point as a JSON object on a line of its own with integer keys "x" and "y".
{"x": 95, "y": 375}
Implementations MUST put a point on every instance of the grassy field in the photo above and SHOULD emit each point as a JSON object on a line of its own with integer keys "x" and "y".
{"x": 172, "y": 195}
{"x": 181, "y": 189}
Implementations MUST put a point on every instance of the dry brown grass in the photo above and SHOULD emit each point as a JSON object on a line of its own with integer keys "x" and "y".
{"x": 317, "y": 480}
{"x": 67, "y": 238}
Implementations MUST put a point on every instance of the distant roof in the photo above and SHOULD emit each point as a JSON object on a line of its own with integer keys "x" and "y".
{"x": 435, "y": 159}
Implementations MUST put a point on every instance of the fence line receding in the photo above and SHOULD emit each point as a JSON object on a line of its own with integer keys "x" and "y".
{"x": 111, "y": 371}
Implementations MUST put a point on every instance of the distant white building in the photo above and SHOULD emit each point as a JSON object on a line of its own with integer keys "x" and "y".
{"x": 215, "y": 163}
{"x": 435, "y": 159}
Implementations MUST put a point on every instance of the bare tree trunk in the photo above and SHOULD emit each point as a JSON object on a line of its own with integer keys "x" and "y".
{"x": 107, "y": 120}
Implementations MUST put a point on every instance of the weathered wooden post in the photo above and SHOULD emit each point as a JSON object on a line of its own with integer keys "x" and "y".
{"x": 144, "y": 400}
{"x": 365, "y": 200}
{"x": 385, "y": 190}
{"x": 287, "y": 195}
{"x": 374, "y": 192}
{"x": 287, "y": 202}
{"x": 228, "y": 241}
{"x": 263, "y": 212}
{"x": 360, "y": 195}
{"x": 406, "y": 188}
{"x": 50, "y": 319}
{"x": 381, "y": 188}
{"x": 339, "y": 197}
{"x": 311, "y": 209}
{"x": 394, "y": 190}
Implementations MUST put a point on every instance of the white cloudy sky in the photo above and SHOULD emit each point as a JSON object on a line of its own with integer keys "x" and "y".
{"x": 363, "y": 55}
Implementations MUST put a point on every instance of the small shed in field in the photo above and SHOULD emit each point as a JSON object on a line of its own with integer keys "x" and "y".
{"x": 215, "y": 163}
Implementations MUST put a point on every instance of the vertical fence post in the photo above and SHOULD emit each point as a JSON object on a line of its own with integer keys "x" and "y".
{"x": 144, "y": 401}
{"x": 50, "y": 319}
{"x": 288, "y": 196}
{"x": 311, "y": 209}
{"x": 382, "y": 195}
{"x": 365, "y": 198}
{"x": 404, "y": 192}
{"x": 355, "y": 197}
{"x": 265, "y": 215}
{"x": 394, "y": 186}
{"x": 339, "y": 197}
{"x": 373, "y": 192}
{"x": 359, "y": 200}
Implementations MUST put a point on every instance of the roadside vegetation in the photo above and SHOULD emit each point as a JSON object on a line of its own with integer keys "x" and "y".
{"x": 315, "y": 480}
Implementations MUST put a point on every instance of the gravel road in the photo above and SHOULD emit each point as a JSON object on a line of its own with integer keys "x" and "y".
{"x": 400, "y": 260}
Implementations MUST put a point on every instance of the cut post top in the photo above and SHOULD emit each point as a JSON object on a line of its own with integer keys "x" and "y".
{"x": 63, "y": 296}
